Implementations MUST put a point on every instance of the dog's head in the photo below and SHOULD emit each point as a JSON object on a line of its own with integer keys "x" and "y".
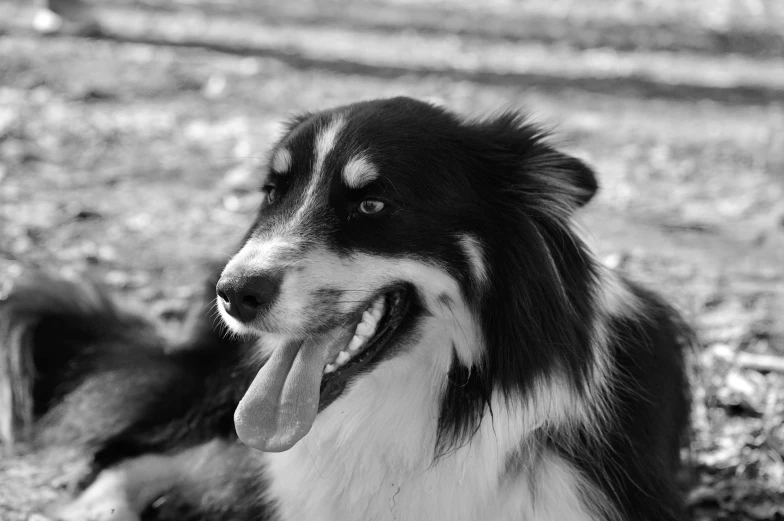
{"x": 387, "y": 219}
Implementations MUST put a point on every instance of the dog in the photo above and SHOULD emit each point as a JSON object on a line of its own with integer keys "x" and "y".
{"x": 411, "y": 329}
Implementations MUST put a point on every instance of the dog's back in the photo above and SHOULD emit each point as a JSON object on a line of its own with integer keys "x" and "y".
{"x": 76, "y": 369}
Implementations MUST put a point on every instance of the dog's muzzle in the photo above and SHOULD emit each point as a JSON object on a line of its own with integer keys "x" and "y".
{"x": 244, "y": 295}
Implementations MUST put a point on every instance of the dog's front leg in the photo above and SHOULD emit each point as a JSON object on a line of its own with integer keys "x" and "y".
{"x": 122, "y": 492}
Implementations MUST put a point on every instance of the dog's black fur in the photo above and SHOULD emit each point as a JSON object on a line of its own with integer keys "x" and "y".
{"x": 99, "y": 378}
{"x": 82, "y": 371}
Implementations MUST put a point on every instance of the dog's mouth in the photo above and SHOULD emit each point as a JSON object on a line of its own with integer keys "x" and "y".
{"x": 379, "y": 322}
{"x": 303, "y": 377}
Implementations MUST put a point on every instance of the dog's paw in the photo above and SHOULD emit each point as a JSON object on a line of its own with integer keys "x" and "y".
{"x": 103, "y": 511}
{"x": 105, "y": 500}
{"x": 106, "y": 511}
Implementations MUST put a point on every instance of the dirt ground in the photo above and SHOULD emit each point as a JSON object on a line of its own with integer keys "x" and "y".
{"x": 129, "y": 156}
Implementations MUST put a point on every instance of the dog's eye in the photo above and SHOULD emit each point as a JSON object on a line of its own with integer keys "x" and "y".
{"x": 371, "y": 206}
{"x": 271, "y": 192}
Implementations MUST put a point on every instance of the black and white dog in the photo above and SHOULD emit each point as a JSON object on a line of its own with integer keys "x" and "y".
{"x": 415, "y": 332}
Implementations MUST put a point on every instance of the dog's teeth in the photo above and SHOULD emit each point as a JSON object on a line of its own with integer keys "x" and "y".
{"x": 369, "y": 318}
{"x": 355, "y": 343}
{"x": 329, "y": 368}
{"x": 365, "y": 330}
{"x": 343, "y": 357}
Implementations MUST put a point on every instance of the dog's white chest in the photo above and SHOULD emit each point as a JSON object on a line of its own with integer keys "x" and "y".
{"x": 386, "y": 475}
{"x": 304, "y": 490}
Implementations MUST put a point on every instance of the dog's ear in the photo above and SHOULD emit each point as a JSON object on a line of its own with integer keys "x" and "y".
{"x": 294, "y": 120}
{"x": 565, "y": 178}
{"x": 573, "y": 178}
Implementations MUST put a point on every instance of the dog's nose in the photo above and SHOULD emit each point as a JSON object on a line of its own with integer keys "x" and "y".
{"x": 245, "y": 296}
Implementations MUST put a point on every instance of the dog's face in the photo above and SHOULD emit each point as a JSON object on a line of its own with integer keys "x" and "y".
{"x": 377, "y": 216}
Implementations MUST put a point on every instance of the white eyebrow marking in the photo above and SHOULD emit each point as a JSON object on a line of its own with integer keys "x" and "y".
{"x": 325, "y": 142}
{"x": 359, "y": 171}
{"x": 281, "y": 161}
{"x": 475, "y": 253}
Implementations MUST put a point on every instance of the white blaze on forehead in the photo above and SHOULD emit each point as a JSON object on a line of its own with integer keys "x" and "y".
{"x": 281, "y": 161}
{"x": 473, "y": 250}
{"x": 359, "y": 171}
{"x": 325, "y": 142}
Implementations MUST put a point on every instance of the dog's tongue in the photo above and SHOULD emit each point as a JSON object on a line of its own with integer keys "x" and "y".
{"x": 281, "y": 404}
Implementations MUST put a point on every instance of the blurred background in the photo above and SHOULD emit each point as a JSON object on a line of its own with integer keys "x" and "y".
{"x": 130, "y": 130}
